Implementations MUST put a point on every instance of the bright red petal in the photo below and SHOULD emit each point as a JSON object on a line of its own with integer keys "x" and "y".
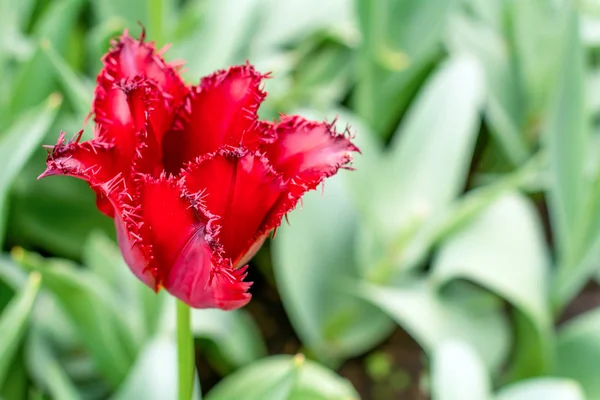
{"x": 91, "y": 161}
{"x": 239, "y": 187}
{"x": 198, "y": 280}
{"x": 134, "y": 81}
{"x": 221, "y": 111}
{"x": 307, "y": 152}
{"x": 171, "y": 244}
{"x": 130, "y": 58}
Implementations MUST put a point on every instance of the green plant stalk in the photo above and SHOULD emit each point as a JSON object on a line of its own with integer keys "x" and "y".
{"x": 185, "y": 352}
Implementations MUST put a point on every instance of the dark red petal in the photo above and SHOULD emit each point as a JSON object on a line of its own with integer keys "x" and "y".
{"x": 307, "y": 152}
{"x": 129, "y": 58}
{"x": 200, "y": 281}
{"x": 172, "y": 239}
{"x": 134, "y": 255}
{"x": 133, "y": 76}
{"x": 239, "y": 187}
{"x": 142, "y": 119}
{"x": 91, "y": 161}
{"x": 221, "y": 111}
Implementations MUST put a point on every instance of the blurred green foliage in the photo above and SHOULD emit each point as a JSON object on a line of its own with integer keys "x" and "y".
{"x": 472, "y": 221}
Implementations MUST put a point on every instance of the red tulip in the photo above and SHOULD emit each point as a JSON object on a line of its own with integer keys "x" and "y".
{"x": 194, "y": 181}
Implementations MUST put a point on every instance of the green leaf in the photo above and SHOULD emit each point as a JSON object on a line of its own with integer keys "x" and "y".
{"x": 142, "y": 307}
{"x": 505, "y": 103}
{"x": 311, "y": 258}
{"x": 226, "y": 30}
{"x": 566, "y": 139}
{"x": 430, "y": 155}
{"x": 285, "y": 378}
{"x": 94, "y": 310}
{"x": 432, "y": 317}
{"x": 56, "y": 213}
{"x": 458, "y": 373}
{"x": 234, "y": 333}
{"x": 34, "y": 79}
{"x": 97, "y": 41}
{"x": 425, "y": 168}
{"x": 370, "y": 16}
{"x": 503, "y": 249}
{"x": 542, "y": 388}
{"x": 319, "y": 383}
{"x": 17, "y": 14}
{"x": 46, "y": 369}
{"x": 13, "y": 323}
{"x": 400, "y": 42}
{"x": 130, "y": 11}
{"x": 154, "y": 374}
{"x": 578, "y": 352}
{"x": 271, "y": 378}
{"x": 16, "y": 383}
{"x": 18, "y": 143}
{"x": 77, "y": 92}
{"x": 11, "y": 274}
{"x": 287, "y": 22}
{"x": 538, "y": 26}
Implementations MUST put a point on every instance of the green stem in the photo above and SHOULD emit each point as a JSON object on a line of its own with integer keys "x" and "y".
{"x": 185, "y": 352}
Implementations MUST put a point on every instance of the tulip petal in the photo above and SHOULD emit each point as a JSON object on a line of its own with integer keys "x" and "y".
{"x": 91, "y": 161}
{"x": 129, "y": 58}
{"x": 307, "y": 152}
{"x": 240, "y": 187}
{"x": 304, "y": 153}
{"x": 221, "y": 111}
{"x": 172, "y": 238}
{"x": 133, "y": 74}
{"x": 198, "y": 280}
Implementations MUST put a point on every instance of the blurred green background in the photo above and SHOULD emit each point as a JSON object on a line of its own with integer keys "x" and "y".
{"x": 459, "y": 261}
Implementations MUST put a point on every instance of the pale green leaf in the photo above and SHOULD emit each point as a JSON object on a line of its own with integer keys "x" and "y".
{"x": 154, "y": 374}
{"x": 542, "y": 389}
{"x": 566, "y": 139}
{"x": 504, "y": 108}
{"x": 13, "y": 323}
{"x": 503, "y": 249}
{"x": 433, "y": 318}
{"x": 268, "y": 379}
{"x": 93, "y": 308}
{"x": 578, "y": 352}
{"x": 18, "y": 143}
{"x": 311, "y": 257}
{"x": 458, "y": 373}
{"x": 431, "y": 152}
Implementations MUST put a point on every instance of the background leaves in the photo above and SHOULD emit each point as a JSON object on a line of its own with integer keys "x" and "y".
{"x": 467, "y": 236}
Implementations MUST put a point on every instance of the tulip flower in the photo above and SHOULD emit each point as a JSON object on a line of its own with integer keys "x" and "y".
{"x": 194, "y": 181}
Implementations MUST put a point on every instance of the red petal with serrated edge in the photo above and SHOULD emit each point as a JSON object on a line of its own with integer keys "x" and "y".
{"x": 150, "y": 120}
{"x": 91, "y": 161}
{"x": 240, "y": 187}
{"x": 168, "y": 241}
{"x": 307, "y": 152}
{"x": 197, "y": 280}
{"x": 130, "y": 58}
{"x": 128, "y": 63}
{"x": 221, "y": 111}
